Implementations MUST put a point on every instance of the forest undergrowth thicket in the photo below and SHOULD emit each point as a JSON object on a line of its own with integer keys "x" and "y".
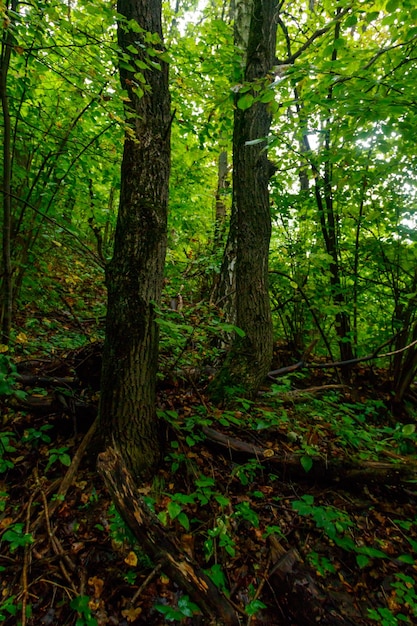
{"x": 300, "y": 505}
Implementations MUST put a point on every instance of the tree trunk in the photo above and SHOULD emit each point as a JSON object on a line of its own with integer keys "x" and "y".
{"x": 249, "y": 359}
{"x": 134, "y": 276}
{"x": 7, "y": 270}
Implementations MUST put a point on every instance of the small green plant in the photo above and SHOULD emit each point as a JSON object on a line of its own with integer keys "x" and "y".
{"x": 175, "y": 511}
{"x": 254, "y": 605}
{"x": 36, "y": 436}
{"x": 6, "y": 447}
{"x": 118, "y": 530}
{"x": 244, "y": 511}
{"x": 273, "y": 530}
{"x": 321, "y": 564}
{"x": 130, "y": 577}
{"x": 185, "y": 608}
{"x": 8, "y": 608}
{"x": 58, "y": 454}
{"x": 16, "y": 537}
{"x": 215, "y": 572}
{"x": 405, "y": 592}
{"x": 81, "y": 604}
{"x": 404, "y": 436}
{"x": 336, "y": 524}
{"x": 247, "y": 472}
{"x": 4, "y": 496}
{"x": 220, "y": 535}
{"x": 8, "y": 375}
{"x": 385, "y": 617}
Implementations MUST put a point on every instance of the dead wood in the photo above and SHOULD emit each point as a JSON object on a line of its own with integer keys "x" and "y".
{"x": 161, "y": 547}
{"x": 68, "y": 478}
{"x": 369, "y": 357}
{"x": 299, "y": 596}
{"x": 45, "y": 381}
{"x": 327, "y": 470}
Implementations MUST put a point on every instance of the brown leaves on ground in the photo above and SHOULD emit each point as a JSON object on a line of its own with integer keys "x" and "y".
{"x": 349, "y": 550}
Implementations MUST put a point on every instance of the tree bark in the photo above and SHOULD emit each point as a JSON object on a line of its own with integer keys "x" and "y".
{"x": 7, "y": 271}
{"x": 134, "y": 276}
{"x": 249, "y": 359}
{"x": 163, "y": 549}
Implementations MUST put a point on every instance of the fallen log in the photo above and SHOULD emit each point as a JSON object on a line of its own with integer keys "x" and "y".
{"x": 336, "y": 470}
{"x": 300, "y": 598}
{"x": 159, "y": 545}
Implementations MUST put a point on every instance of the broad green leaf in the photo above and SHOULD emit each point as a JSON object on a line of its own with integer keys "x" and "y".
{"x": 245, "y": 101}
{"x": 306, "y": 462}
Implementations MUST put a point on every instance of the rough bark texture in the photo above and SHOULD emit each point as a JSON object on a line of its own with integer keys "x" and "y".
{"x": 6, "y": 270}
{"x": 162, "y": 548}
{"x": 250, "y": 357}
{"x": 134, "y": 276}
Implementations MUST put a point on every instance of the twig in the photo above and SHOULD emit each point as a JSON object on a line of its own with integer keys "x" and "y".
{"x": 369, "y": 357}
{"x": 261, "y": 585}
{"x": 26, "y": 557}
{"x": 69, "y": 476}
{"x": 55, "y": 544}
{"x": 146, "y": 582}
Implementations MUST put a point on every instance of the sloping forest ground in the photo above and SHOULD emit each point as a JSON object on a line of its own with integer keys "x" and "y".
{"x": 300, "y": 506}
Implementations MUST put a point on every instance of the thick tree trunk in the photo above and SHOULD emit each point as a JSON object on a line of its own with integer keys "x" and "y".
{"x": 250, "y": 357}
{"x": 135, "y": 274}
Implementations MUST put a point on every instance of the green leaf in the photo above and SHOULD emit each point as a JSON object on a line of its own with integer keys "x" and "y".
{"x": 268, "y": 96}
{"x": 174, "y": 509}
{"x": 392, "y": 5}
{"x": 217, "y": 576}
{"x": 245, "y": 102}
{"x": 351, "y": 20}
{"x": 254, "y": 606}
{"x": 306, "y": 462}
{"x": 362, "y": 560}
{"x": 184, "y": 521}
{"x": 408, "y": 430}
{"x": 406, "y": 558}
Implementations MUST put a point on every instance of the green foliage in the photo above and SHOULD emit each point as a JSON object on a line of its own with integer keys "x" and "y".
{"x": 185, "y": 608}
{"x": 215, "y": 572}
{"x": 8, "y": 607}
{"x": 220, "y": 535}
{"x": 404, "y": 596}
{"x": 336, "y": 525}
{"x": 58, "y": 454}
{"x": 16, "y": 537}
{"x": 81, "y": 605}
{"x": 6, "y": 447}
{"x": 36, "y": 436}
{"x": 8, "y": 374}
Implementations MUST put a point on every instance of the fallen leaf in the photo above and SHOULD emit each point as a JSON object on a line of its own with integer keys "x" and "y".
{"x": 98, "y": 585}
{"x": 132, "y": 614}
{"x": 131, "y": 559}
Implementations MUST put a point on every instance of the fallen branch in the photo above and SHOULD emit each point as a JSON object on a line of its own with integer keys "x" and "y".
{"x": 68, "y": 478}
{"x": 163, "y": 549}
{"x": 370, "y": 357}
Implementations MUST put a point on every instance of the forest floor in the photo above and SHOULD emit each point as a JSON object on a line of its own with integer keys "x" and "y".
{"x": 300, "y": 506}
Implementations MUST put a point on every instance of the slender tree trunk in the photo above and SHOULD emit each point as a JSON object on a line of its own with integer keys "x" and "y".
{"x": 220, "y": 217}
{"x": 250, "y": 357}
{"x": 134, "y": 276}
{"x": 7, "y": 270}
